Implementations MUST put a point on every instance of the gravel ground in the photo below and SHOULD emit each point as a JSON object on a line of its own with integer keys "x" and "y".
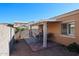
{"x": 22, "y": 49}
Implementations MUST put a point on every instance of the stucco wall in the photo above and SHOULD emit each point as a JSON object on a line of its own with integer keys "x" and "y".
{"x": 56, "y": 29}
{"x": 6, "y": 33}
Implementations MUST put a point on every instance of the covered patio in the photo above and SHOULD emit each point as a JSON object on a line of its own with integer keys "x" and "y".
{"x": 42, "y": 28}
{"x": 44, "y": 36}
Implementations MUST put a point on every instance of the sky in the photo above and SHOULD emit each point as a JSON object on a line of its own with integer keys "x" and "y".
{"x": 26, "y": 12}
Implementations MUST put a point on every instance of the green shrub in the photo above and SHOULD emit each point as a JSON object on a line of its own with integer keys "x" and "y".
{"x": 73, "y": 47}
{"x": 20, "y": 29}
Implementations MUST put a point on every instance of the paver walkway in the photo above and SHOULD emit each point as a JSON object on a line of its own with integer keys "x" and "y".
{"x": 22, "y": 49}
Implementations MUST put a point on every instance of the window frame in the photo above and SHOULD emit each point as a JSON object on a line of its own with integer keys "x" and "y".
{"x": 68, "y": 34}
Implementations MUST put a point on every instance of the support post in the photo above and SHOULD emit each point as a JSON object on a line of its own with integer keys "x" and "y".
{"x": 30, "y": 31}
{"x": 45, "y": 35}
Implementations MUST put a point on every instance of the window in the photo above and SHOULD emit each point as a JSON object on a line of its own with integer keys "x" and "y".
{"x": 68, "y": 28}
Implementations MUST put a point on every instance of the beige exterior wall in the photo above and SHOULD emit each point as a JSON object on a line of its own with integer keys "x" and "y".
{"x": 34, "y": 27}
{"x": 6, "y": 33}
{"x": 53, "y": 28}
{"x": 56, "y": 29}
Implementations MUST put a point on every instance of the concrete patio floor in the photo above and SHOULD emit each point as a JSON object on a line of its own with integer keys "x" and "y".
{"x": 22, "y": 49}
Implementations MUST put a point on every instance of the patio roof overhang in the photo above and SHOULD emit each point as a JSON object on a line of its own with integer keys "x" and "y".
{"x": 45, "y": 21}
